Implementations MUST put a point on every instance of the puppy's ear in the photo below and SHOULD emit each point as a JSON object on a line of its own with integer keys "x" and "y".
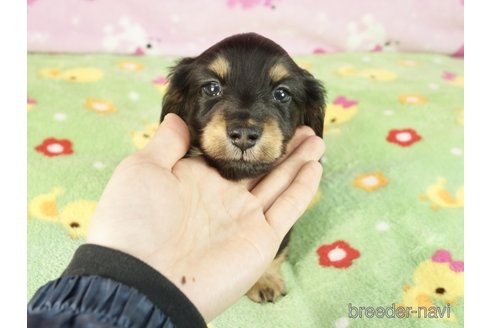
{"x": 314, "y": 111}
{"x": 174, "y": 100}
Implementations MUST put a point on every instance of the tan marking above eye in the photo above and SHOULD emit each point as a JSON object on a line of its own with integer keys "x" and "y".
{"x": 278, "y": 72}
{"x": 220, "y": 66}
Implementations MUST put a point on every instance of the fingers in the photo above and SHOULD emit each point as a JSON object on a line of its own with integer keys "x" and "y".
{"x": 290, "y": 205}
{"x": 301, "y": 134}
{"x": 268, "y": 189}
{"x": 170, "y": 142}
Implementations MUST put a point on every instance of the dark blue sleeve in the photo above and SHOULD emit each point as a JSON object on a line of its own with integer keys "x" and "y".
{"x": 92, "y": 301}
{"x": 103, "y": 287}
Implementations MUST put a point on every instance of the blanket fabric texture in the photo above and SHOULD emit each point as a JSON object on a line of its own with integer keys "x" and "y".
{"x": 384, "y": 230}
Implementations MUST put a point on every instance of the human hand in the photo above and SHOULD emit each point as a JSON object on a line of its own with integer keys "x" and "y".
{"x": 213, "y": 238}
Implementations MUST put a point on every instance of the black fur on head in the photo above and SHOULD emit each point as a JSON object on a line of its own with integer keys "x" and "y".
{"x": 242, "y": 100}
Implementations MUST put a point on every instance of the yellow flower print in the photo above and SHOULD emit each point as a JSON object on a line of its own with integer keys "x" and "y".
{"x": 100, "y": 105}
{"x": 368, "y": 73}
{"x": 305, "y": 65}
{"x": 412, "y": 99}
{"x": 130, "y": 66}
{"x": 44, "y": 206}
{"x": 409, "y": 63}
{"x": 377, "y": 74}
{"x": 74, "y": 75}
{"x": 440, "y": 197}
{"x": 370, "y": 182}
{"x": 141, "y": 138}
{"x": 50, "y": 72}
{"x": 338, "y": 112}
{"x": 459, "y": 81}
{"x": 76, "y": 216}
{"x": 461, "y": 116}
{"x": 81, "y": 75}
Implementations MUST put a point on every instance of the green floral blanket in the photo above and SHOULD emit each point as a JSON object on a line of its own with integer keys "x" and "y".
{"x": 384, "y": 235}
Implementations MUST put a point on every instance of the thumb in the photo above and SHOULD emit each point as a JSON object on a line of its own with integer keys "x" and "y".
{"x": 170, "y": 142}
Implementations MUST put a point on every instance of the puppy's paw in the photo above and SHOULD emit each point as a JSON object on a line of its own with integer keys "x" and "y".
{"x": 269, "y": 288}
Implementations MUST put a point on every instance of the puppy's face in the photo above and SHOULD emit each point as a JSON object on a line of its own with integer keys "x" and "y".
{"x": 243, "y": 99}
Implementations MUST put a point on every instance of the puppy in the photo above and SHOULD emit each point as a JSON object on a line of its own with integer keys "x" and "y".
{"x": 243, "y": 99}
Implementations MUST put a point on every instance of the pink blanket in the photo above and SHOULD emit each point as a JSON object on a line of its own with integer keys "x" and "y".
{"x": 175, "y": 27}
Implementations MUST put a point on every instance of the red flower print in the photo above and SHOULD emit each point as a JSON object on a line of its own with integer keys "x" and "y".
{"x": 404, "y": 138}
{"x": 160, "y": 80}
{"x": 377, "y": 48}
{"x": 55, "y": 147}
{"x": 161, "y": 83}
{"x": 344, "y": 102}
{"x": 30, "y": 103}
{"x": 448, "y": 76}
{"x": 453, "y": 79}
{"x": 339, "y": 254}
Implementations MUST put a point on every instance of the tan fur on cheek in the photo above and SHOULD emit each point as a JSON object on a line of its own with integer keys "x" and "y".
{"x": 215, "y": 142}
{"x": 269, "y": 147}
{"x": 220, "y": 66}
{"x": 278, "y": 72}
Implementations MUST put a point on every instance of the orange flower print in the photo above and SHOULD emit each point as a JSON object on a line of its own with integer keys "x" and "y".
{"x": 408, "y": 63}
{"x": 412, "y": 99}
{"x": 130, "y": 66}
{"x": 371, "y": 182}
{"x": 100, "y": 105}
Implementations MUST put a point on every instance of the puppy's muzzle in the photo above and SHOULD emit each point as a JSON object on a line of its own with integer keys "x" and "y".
{"x": 243, "y": 137}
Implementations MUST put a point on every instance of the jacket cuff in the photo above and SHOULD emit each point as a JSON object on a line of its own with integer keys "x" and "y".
{"x": 92, "y": 259}
{"x": 92, "y": 301}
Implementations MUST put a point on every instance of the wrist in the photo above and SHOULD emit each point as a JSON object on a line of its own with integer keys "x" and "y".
{"x": 90, "y": 259}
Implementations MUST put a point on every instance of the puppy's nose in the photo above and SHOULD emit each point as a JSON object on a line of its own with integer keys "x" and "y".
{"x": 244, "y": 137}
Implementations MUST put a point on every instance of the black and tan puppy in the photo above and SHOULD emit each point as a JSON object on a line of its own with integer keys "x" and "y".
{"x": 243, "y": 99}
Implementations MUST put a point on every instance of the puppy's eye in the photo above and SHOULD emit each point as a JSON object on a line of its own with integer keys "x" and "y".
{"x": 212, "y": 89}
{"x": 281, "y": 94}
